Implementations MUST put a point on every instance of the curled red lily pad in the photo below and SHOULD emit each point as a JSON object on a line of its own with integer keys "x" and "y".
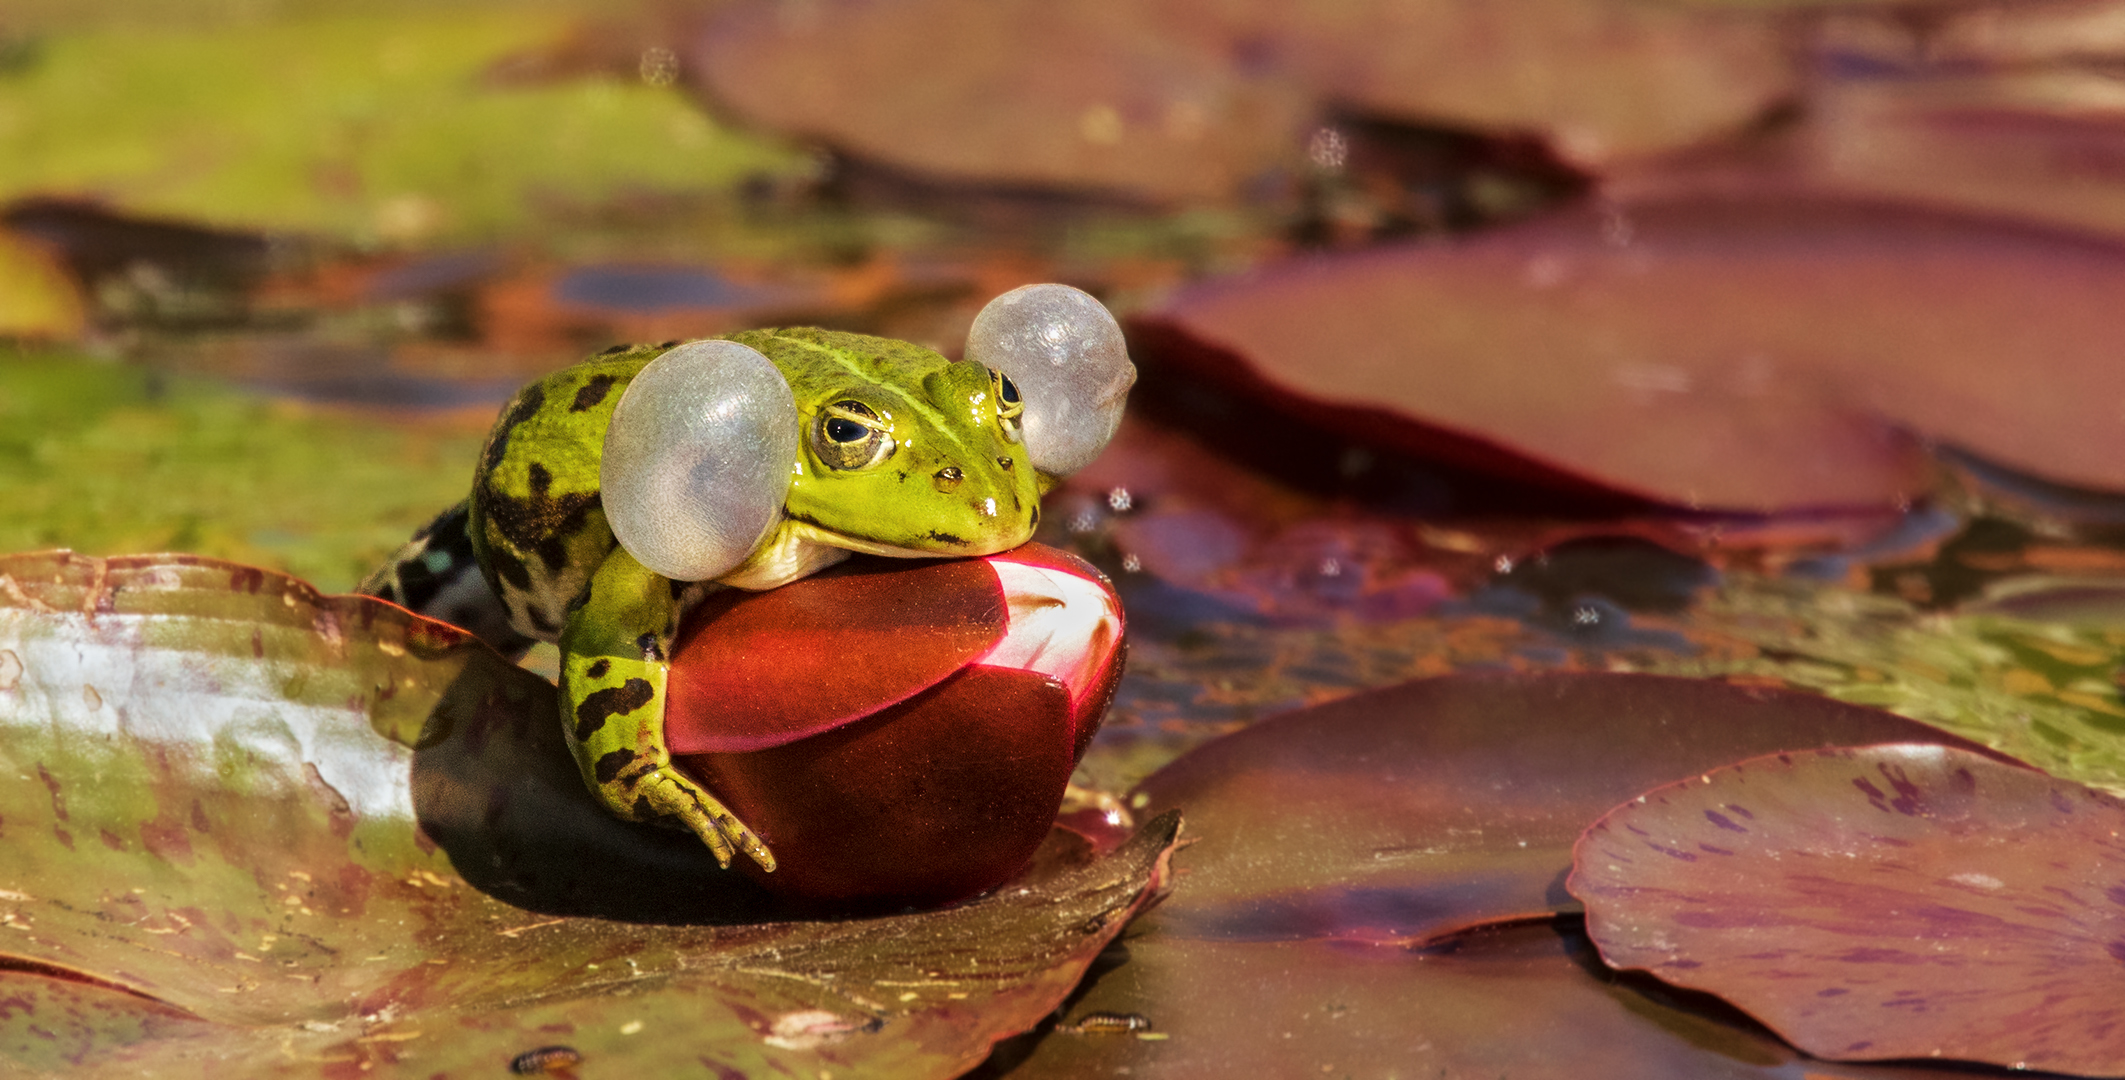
{"x": 1897, "y": 901}
{"x": 899, "y": 733}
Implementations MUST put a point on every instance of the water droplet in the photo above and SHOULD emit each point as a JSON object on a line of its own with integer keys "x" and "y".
{"x": 1328, "y": 149}
{"x": 659, "y": 66}
{"x": 1119, "y": 500}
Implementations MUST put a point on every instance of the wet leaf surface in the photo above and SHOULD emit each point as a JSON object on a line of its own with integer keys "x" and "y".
{"x": 295, "y": 819}
{"x": 1723, "y": 353}
{"x": 1516, "y": 1001}
{"x": 1378, "y": 883}
{"x": 1407, "y": 813}
{"x": 1879, "y": 902}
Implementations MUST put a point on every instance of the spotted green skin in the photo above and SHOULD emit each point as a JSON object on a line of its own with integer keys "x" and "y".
{"x": 539, "y": 532}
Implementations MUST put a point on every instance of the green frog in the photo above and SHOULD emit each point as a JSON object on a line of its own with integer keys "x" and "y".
{"x": 613, "y": 495}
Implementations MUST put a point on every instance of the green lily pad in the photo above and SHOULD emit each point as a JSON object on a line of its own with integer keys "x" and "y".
{"x": 108, "y": 458}
{"x": 251, "y": 824}
{"x": 2043, "y": 692}
{"x": 366, "y": 127}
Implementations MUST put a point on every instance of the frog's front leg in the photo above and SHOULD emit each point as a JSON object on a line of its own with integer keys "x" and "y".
{"x": 612, "y": 685}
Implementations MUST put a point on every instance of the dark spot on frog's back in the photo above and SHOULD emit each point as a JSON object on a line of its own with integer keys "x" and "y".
{"x": 528, "y": 403}
{"x": 541, "y": 479}
{"x": 592, "y": 392}
{"x": 945, "y": 538}
{"x": 612, "y": 701}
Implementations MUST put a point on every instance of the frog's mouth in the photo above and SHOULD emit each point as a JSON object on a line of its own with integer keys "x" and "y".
{"x": 798, "y": 548}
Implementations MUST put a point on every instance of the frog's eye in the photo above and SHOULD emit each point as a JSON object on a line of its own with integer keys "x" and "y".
{"x": 697, "y": 459}
{"x": 1062, "y": 350}
{"x": 1010, "y": 408}
{"x": 848, "y": 435}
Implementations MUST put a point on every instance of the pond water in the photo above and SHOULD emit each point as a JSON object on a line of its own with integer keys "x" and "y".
{"x": 1762, "y": 343}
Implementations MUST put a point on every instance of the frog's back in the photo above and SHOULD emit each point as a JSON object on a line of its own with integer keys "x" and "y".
{"x": 538, "y": 527}
{"x": 816, "y": 361}
{"x": 537, "y": 523}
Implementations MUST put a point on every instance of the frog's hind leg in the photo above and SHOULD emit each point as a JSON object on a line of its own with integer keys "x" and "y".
{"x": 435, "y": 574}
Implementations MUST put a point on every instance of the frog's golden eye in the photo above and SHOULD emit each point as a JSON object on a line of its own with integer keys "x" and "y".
{"x": 1010, "y": 408}
{"x": 849, "y": 435}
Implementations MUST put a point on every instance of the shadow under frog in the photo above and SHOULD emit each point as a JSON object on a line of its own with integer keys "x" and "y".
{"x": 494, "y": 786}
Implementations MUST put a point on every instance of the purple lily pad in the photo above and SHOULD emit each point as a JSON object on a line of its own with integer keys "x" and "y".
{"x": 257, "y": 827}
{"x": 1197, "y": 99}
{"x": 1413, "y": 812}
{"x": 1881, "y": 902}
{"x": 1325, "y": 922}
{"x": 1756, "y": 354}
{"x": 1515, "y": 1001}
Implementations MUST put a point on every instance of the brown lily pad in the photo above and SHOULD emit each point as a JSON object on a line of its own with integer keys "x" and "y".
{"x": 1416, "y": 811}
{"x": 1194, "y": 100}
{"x": 1326, "y": 923}
{"x": 254, "y": 826}
{"x": 1517, "y": 1001}
{"x": 1880, "y": 902}
{"x": 1741, "y": 353}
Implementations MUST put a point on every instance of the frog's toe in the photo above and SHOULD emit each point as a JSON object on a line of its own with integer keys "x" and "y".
{"x": 670, "y": 793}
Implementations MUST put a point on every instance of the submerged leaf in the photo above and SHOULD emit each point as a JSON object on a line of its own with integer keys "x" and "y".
{"x": 289, "y": 816}
{"x": 1882, "y": 902}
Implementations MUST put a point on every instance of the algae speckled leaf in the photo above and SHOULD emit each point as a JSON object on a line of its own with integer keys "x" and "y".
{"x": 252, "y": 824}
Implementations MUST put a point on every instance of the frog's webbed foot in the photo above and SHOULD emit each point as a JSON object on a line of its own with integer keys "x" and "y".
{"x": 612, "y": 688}
{"x": 668, "y": 793}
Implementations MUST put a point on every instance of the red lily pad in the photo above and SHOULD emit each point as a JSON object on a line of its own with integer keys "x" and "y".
{"x": 1882, "y": 902}
{"x": 881, "y": 793}
{"x": 262, "y": 831}
{"x": 776, "y": 666}
{"x": 1741, "y": 354}
{"x": 763, "y": 669}
{"x": 1416, "y": 811}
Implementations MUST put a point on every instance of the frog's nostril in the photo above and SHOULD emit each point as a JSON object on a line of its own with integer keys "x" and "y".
{"x": 1003, "y": 462}
{"x": 947, "y": 478}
